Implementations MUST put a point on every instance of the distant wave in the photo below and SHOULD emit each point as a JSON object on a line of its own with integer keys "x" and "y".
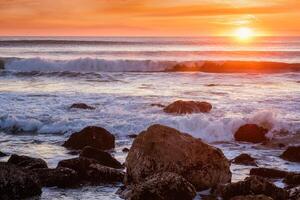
{"x": 90, "y": 65}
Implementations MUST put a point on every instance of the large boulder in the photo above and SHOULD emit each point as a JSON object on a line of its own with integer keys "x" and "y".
{"x": 187, "y": 107}
{"x": 102, "y": 157}
{"x": 291, "y": 154}
{"x": 81, "y": 106}
{"x": 59, "y": 177}
{"x": 244, "y": 159}
{"x": 268, "y": 172}
{"x": 91, "y": 170}
{"x": 292, "y": 179}
{"x": 17, "y": 184}
{"x": 164, "y": 149}
{"x": 162, "y": 186}
{"x": 252, "y": 197}
{"x": 253, "y": 185}
{"x": 93, "y": 136}
{"x": 27, "y": 162}
{"x": 251, "y": 133}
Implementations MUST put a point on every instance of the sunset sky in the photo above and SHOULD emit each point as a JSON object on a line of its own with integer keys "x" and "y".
{"x": 148, "y": 17}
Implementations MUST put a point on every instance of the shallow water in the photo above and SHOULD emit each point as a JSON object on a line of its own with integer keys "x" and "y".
{"x": 35, "y": 118}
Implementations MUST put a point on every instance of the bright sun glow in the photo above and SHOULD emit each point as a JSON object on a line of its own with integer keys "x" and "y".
{"x": 244, "y": 33}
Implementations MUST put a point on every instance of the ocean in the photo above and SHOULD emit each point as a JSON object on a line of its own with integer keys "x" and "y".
{"x": 121, "y": 77}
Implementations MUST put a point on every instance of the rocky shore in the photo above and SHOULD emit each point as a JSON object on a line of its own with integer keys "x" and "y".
{"x": 162, "y": 164}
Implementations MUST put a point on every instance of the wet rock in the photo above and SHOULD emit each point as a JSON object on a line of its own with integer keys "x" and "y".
{"x": 251, "y": 133}
{"x": 253, "y": 185}
{"x": 93, "y": 136}
{"x": 158, "y": 105}
{"x": 291, "y": 154}
{"x": 292, "y": 179}
{"x": 82, "y": 106}
{"x": 244, "y": 159}
{"x": 132, "y": 135}
{"x": 252, "y": 197}
{"x": 102, "y": 157}
{"x": 27, "y": 162}
{"x": 294, "y": 193}
{"x": 17, "y": 184}
{"x": 91, "y": 170}
{"x": 2, "y": 154}
{"x": 125, "y": 150}
{"x": 101, "y": 174}
{"x": 164, "y": 149}
{"x": 268, "y": 172}
{"x": 2, "y": 64}
{"x": 163, "y": 186}
{"x": 187, "y": 107}
{"x": 59, "y": 177}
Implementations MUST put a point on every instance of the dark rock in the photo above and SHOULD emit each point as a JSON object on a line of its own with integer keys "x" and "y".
{"x": 132, "y": 135}
{"x": 102, "y": 157}
{"x": 253, "y": 185}
{"x": 60, "y": 177}
{"x": 2, "y": 64}
{"x": 164, "y": 149}
{"x": 27, "y": 162}
{"x": 74, "y": 153}
{"x": 91, "y": 170}
{"x": 268, "y": 173}
{"x": 251, "y": 133}
{"x": 292, "y": 154}
{"x": 294, "y": 193}
{"x": 3, "y": 154}
{"x": 101, "y": 174}
{"x": 244, "y": 159}
{"x": 17, "y": 184}
{"x": 187, "y": 107}
{"x": 292, "y": 179}
{"x": 252, "y": 197}
{"x": 163, "y": 186}
{"x": 93, "y": 136}
{"x": 82, "y": 106}
{"x": 125, "y": 150}
{"x": 158, "y": 105}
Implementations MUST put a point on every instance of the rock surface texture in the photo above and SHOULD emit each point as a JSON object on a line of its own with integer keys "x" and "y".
{"x": 187, "y": 107}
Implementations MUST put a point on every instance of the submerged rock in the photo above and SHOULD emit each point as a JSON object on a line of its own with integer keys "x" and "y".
{"x": 158, "y": 105}
{"x": 163, "y": 186}
{"x": 244, "y": 159}
{"x": 2, "y": 154}
{"x": 27, "y": 162}
{"x": 102, "y": 157}
{"x": 125, "y": 150}
{"x": 164, "y": 149}
{"x": 268, "y": 173}
{"x": 187, "y": 107}
{"x": 60, "y": 177}
{"x": 291, "y": 154}
{"x": 253, "y": 185}
{"x": 251, "y": 133}
{"x": 252, "y": 197}
{"x": 93, "y": 136}
{"x": 2, "y": 64}
{"x": 91, "y": 170}
{"x": 82, "y": 106}
{"x": 17, "y": 184}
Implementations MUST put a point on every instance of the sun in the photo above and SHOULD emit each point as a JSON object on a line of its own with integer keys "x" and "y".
{"x": 244, "y": 33}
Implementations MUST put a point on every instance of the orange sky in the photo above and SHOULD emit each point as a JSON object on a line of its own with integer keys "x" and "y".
{"x": 148, "y": 17}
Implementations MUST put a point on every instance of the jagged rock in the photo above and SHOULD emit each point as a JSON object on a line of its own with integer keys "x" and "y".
{"x": 102, "y": 157}
{"x": 268, "y": 173}
{"x": 17, "y": 184}
{"x": 253, "y": 185}
{"x": 27, "y": 162}
{"x": 251, "y": 133}
{"x": 291, "y": 154}
{"x": 187, "y": 107}
{"x": 60, "y": 177}
{"x": 294, "y": 193}
{"x": 164, "y": 149}
{"x": 82, "y": 106}
{"x": 93, "y": 136}
{"x": 91, "y": 170}
{"x": 162, "y": 186}
{"x": 252, "y": 197}
{"x": 244, "y": 159}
